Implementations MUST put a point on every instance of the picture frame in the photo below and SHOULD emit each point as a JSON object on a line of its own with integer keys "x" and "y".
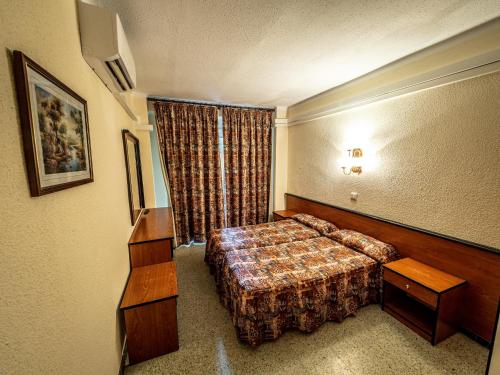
{"x": 55, "y": 129}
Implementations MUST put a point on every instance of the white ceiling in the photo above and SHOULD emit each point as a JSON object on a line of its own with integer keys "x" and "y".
{"x": 279, "y": 52}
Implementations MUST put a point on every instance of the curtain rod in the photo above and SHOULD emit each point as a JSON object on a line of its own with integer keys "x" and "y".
{"x": 201, "y": 102}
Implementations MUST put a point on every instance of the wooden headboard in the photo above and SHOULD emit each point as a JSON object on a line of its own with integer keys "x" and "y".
{"x": 479, "y": 265}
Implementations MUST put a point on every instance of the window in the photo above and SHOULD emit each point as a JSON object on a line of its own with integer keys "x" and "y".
{"x": 221, "y": 157}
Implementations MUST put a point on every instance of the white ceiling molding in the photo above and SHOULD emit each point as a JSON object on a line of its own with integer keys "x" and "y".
{"x": 437, "y": 65}
{"x": 280, "y": 122}
{"x": 396, "y": 90}
{"x": 143, "y": 127}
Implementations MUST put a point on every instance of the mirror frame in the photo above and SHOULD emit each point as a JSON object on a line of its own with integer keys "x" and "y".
{"x": 128, "y": 136}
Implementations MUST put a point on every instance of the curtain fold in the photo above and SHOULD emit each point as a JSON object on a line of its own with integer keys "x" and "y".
{"x": 189, "y": 145}
{"x": 247, "y": 164}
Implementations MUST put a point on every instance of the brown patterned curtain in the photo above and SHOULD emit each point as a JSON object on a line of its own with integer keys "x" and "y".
{"x": 189, "y": 144}
{"x": 247, "y": 164}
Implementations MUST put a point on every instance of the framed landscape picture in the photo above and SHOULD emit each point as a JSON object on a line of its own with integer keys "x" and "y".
{"x": 55, "y": 129}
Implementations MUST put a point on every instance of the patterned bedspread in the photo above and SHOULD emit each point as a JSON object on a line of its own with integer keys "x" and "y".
{"x": 294, "y": 285}
{"x": 221, "y": 241}
{"x": 379, "y": 251}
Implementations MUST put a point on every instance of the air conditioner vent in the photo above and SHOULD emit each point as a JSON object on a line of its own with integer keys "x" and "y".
{"x": 120, "y": 74}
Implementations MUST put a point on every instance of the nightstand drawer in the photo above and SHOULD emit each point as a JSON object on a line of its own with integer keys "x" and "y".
{"x": 421, "y": 293}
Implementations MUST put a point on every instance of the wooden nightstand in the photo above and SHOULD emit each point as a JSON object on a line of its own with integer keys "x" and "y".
{"x": 283, "y": 214}
{"x": 423, "y": 298}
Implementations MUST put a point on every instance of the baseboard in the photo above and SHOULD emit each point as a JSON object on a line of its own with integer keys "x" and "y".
{"x": 480, "y": 340}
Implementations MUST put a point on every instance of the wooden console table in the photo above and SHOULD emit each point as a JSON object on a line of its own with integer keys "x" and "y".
{"x": 423, "y": 298}
{"x": 149, "y": 303}
{"x": 149, "y": 308}
{"x": 152, "y": 239}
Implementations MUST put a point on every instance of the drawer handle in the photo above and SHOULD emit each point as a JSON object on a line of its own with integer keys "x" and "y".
{"x": 407, "y": 286}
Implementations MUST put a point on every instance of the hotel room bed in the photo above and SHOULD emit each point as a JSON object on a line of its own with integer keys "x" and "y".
{"x": 300, "y": 284}
{"x": 300, "y": 227}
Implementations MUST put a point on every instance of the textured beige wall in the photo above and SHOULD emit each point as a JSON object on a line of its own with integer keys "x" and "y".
{"x": 64, "y": 255}
{"x": 433, "y": 159}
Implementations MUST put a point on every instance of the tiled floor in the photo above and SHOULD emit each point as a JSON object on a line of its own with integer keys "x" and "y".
{"x": 370, "y": 343}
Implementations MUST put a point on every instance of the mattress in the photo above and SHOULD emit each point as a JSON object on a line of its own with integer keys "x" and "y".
{"x": 298, "y": 284}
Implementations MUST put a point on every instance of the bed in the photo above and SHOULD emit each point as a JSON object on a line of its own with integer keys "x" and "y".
{"x": 299, "y": 284}
{"x": 300, "y": 227}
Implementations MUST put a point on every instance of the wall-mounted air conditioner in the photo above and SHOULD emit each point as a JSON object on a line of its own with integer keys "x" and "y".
{"x": 106, "y": 50}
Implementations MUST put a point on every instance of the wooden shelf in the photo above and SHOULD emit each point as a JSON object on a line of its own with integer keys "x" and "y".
{"x": 413, "y": 314}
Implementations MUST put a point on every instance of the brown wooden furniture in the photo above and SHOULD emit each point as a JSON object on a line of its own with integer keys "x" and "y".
{"x": 283, "y": 214}
{"x": 152, "y": 239}
{"x": 478, "y": 264}
{"x": 149, "y": 308}
{"x": 423, "y": 298}
{"x": 149, "y": 301}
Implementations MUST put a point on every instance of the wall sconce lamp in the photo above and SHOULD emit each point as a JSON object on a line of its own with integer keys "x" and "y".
{"x": 353, "y": 162}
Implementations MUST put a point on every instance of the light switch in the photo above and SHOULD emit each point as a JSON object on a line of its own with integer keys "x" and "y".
{"x": 354, "y": 196}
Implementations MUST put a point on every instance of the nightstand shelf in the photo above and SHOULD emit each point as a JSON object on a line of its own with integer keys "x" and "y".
{"x": 411, "y": 313}
{"x": 423, "y": 298}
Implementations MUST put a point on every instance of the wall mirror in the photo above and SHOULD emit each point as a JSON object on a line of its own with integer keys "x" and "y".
{"x": 134, "y": 174}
